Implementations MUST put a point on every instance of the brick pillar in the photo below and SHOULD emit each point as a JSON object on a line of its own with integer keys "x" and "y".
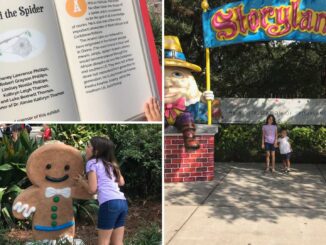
{"x": 181, "y": 165}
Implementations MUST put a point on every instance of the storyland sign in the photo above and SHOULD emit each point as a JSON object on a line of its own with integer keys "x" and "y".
{"x": 291, "y": 111}
{"x": 264, "y": 20}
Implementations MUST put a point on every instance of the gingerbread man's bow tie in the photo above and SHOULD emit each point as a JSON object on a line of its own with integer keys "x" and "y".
{"x": 50, "y": 192}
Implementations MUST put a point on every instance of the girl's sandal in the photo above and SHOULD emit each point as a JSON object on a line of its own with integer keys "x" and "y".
{"x": 273, "y": 170}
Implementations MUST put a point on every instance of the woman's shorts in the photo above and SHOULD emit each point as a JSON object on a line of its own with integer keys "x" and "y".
{"x": 286, "y": 156}
{"x": 112, "y": 214}
{"x": 269, "y": 147}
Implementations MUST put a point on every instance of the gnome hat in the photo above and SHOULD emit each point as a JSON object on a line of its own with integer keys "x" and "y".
{"x": 174, "y": 55}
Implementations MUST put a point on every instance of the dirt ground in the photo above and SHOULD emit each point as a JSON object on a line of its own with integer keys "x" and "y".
{"x": 140, "y": 214}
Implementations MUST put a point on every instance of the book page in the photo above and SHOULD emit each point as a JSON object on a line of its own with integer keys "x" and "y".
{"x": 106, "y": 58}
{"x": 35, "y": 83}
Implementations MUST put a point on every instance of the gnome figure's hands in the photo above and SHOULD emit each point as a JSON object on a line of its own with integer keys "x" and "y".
{"x": 208, "y": 96}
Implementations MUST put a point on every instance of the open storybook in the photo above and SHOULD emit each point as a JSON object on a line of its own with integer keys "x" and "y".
{"x": 76, "y": 60}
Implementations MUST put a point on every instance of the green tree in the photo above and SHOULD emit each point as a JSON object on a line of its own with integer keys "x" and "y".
{"x": 261, "y": 69}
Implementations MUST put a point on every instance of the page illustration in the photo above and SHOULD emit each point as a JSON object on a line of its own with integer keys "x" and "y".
{"x": 35, "y": 83}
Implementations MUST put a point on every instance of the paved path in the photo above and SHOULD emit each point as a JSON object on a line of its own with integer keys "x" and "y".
{"x": 244, "y": 206}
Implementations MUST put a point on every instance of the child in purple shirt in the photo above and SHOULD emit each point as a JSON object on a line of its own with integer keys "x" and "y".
{"x": 269, "y": 141}
{"x": 104, "y": 178}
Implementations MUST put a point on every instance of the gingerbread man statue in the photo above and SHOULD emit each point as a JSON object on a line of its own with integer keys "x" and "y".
{"x": 51, "y": 169}
{"x": 185, "y": 105}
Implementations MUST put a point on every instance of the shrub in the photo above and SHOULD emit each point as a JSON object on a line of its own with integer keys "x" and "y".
{"x": 243, "y": 143}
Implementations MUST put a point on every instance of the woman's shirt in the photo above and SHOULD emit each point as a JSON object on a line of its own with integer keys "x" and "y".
{"x": 269, "y": 133}
{"x": 107, "y": 188}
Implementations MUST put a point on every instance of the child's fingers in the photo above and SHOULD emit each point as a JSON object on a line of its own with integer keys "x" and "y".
{"x": 156, "y": 109}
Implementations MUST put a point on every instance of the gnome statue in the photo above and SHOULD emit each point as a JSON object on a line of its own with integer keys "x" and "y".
{"x": 185, "y": 105}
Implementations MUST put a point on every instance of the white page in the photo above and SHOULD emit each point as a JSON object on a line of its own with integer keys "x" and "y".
{"x": 35, "y": 83}
{"x": 106, "y": 90}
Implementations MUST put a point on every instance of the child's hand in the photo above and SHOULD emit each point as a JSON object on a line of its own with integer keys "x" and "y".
{"x": 263, "y": 146}
{"x": 275, "y": 144}
{"x": 80, "y": 180}
{"x": 152, "y": 111}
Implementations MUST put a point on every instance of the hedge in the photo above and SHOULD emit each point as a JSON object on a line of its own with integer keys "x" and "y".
{"x": 242, "y": 143}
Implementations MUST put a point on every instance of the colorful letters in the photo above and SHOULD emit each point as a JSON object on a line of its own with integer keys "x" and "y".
{"x": 245, "y": 22}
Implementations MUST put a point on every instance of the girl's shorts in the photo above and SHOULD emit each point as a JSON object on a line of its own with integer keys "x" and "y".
{"x": 112, "y": 214}
{"x": 269, "y": 147}
{"x": 286, "y": 156}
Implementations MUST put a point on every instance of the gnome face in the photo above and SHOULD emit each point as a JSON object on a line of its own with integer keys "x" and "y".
{"x": 180, "y": 83}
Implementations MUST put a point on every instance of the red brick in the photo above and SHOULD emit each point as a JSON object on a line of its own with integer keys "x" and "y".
{"x": 171, "y": 156}
{"x": 189, "y": 179}
{"x": 195, "y": 155}
{"x": 167, "y": 141}
{"x": 167, "y": 160}
{"x": 196, "y": 174}
{"x": 167, "y": 180}
{"x": 176, "y": 160}
{"x": 171, "y": 147}
{"x": 181, "y": 175}
{"x": 208, "y": 164}
{"x": 184, "y": 165}
{"x": 184, "y": 155}
{"x": 209, "y": 178}
{"x": 208, "y": 155}
{"x": 177, "y": 142}
{"x": 172, "y": 165}
{"x": 210, "y": 141}
{"x": 177, "y": 179}
{"x": 201, "y": 178}
{"x": 196, "y": 165}
{"x": 167, "y": 170}
{"x": 174, "y": 175}
{"x": 201, "y": 159}
{"x": 202, "y": 169}
{"x": 189, "y": 170}
{"x": 210, "y": 169}
{"x": 176, "y": 151}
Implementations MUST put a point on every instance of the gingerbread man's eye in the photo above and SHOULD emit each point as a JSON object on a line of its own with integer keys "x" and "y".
{"x": 67, "y": 167}
{"x": 48, "y": 166}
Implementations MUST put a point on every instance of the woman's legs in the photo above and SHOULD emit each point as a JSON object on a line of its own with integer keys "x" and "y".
{"x": 273, "y": 160}
{"x": 267, "y": 159}
{"x": 104, "y": 237}
{"x": 117, "y": 236}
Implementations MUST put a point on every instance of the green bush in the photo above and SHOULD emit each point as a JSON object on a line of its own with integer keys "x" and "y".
{"x": 138, "y": 149}
{"x": 148, "y": 235}
{"x": 242, "y": 143}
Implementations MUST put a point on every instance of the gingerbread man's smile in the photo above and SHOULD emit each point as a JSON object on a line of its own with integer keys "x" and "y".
{"x": 57, "y": 180}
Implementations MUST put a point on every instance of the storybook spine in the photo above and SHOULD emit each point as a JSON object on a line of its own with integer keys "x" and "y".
{"x": 151, "y": 44}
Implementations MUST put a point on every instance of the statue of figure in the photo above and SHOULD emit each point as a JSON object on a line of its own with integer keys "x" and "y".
{"x": 185, "y": 105}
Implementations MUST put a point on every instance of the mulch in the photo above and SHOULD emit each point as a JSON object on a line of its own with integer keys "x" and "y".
{"x": 141, "y": 213}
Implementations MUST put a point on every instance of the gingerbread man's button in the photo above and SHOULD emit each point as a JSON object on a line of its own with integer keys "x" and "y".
{"x": 54, "y": 224}
{"x": 54, "y": 216}
{"x": 56, "y": 199}
{"x": 54, "y": 208}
